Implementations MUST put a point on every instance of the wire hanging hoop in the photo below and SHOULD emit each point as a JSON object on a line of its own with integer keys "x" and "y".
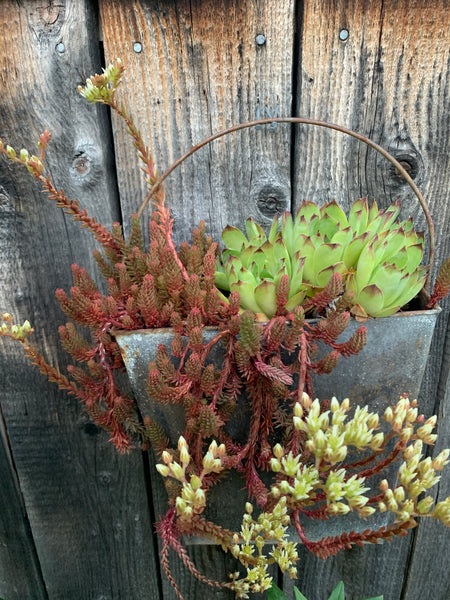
{"x": 305, "y": 121}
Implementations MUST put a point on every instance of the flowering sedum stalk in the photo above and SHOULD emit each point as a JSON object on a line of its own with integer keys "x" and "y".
{"x": 322, "y": 481}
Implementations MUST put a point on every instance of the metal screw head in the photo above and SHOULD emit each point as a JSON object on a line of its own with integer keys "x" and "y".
{"x": 260, "y": 39}
{"x": 343, "y": 35}
{"x": 60, "y": 48}
{"x": 137, "y": 47}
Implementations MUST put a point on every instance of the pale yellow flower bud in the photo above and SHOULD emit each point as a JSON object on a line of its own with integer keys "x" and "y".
{"x": 10, "y": 152}
{"x": 388, "y": 415}
{"x": 366, "y": 511}
{"x": 275, "y": 465}
{"x": 306, "y": 400}
{"x": 195, "y": 482}
{"x": 177, "y": 471}
{"x": 441, "y": 460}
{"x": 334, "y": 404}
{"x": 278, "y": 450}
{"x": 184, "y": 457}
{"x": 163, "y": 470}
{"x": 384, "y": 485}
{"x": 298, "y": 410}
{"x": 167, "y": 457}
{"x": 425, "y": 505}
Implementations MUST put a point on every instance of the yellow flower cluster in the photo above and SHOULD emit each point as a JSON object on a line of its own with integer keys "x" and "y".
{"x": 192, "y": 499}
{"x": 32, "y": 163}
{"x": 416, "y": 475}
{"x": 16, "y": 332}
{"x": 329, "y": 434}
{"x": 248, "y": 547}
{"x": 101, "y": 88}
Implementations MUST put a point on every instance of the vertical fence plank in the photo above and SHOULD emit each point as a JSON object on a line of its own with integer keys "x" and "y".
{"x": 199, "y": 68}
{"x": 20, "y": 575}
{"x": 389, "y": 80}
{"x": 428, "y": 568}
{"x": 86, "y": 505}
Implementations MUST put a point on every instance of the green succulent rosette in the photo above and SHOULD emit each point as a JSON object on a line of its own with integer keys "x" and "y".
{"x": 377, "y": 256}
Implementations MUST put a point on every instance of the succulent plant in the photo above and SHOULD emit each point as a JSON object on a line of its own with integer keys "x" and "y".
{"x": 377, "y": 256}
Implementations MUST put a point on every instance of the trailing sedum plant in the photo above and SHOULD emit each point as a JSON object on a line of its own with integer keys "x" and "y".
{"x": 319, "y": 458}
{"x": 377, "y": 257}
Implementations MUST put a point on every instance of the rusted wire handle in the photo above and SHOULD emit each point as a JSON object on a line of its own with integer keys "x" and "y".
{"x": 318, "y": 123}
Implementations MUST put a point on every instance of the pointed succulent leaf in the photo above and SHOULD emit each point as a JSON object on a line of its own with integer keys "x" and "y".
{"x": 358, "y": 216}
{"x": 221, "y": 280}
{"x": 295, "y": 300}
{"x": 273, "y": 229}
{"x": 234, "y": 238}
{"x": 327, "y": 227}
{"x": 366, "y": 263}
{"x": 409, "y": 287}
{"x": 254, "y": 231}
{"x": 266, "y": 298}
{"x": 394, "y": 241}
{"x": 401, "y": 258}
{"x": 247, "y": 256}
{"x": 324, "y": 276}
{"x": 247, "y": 276}
{"x": 392, "y": 212}
{"x": 287, "y": 233}
{"x": 415, "y": 254}
{"x": 297, "y": 273}
{"x": 326, "y": 255}
{"x": 335, "y": 212}
{"x": 343, "y": 237}
{"x": 371, "y": 299}
{"x": 301, "y": 226}
{"x": 373, "y": 211}
{"x": 271, "y": 262}
{"x": 308, "y": 210}
{"x": 280, "y": 251}
{"x": 385, "y": 312}
{"x": 354, "y": 249}
{"x": 387, "y": 278}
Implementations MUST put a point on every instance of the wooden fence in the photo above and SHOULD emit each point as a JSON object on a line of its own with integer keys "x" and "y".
{"x": 75, "y": 518}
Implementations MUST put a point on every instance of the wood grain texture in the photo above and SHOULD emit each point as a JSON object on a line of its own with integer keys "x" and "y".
{"x": 201, "y": 70}
{"x": 87, "y": 506}
{"x": 428, "y": 568}
{"x": 20, "y": 575}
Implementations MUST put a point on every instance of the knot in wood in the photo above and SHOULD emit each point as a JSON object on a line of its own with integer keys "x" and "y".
{"x": 271, "y": 201}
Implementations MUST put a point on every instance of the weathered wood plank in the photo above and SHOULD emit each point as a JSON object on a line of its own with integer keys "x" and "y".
{"x": 20, "y": 575}
{"x": 87, "y": 506}
{"x": 200, "y": 70}
{"x": 431, "y": 549}
{"x": 388, "y": 80}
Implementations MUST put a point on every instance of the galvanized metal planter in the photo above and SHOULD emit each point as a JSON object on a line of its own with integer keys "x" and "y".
{"x": 392, "y": 363}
